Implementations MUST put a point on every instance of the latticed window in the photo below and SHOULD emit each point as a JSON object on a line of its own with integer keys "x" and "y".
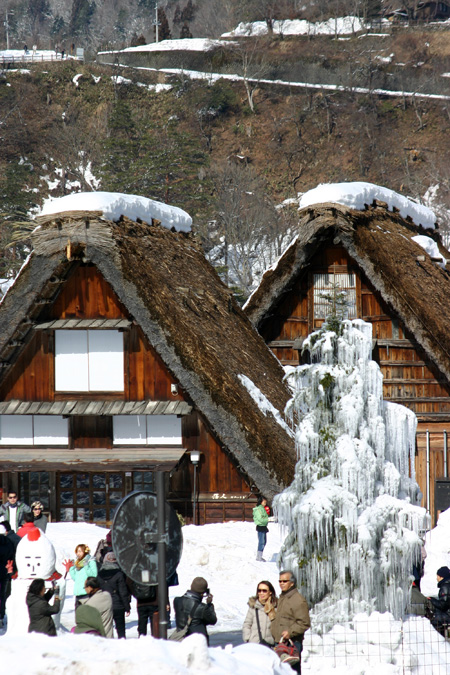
{"x": 325, "y": 285}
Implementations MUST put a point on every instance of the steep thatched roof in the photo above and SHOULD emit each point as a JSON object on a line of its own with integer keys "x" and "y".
{"x": 190, "y": 318}
{"x": 414, "y": 286}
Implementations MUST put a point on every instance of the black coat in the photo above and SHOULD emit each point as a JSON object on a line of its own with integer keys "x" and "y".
{"x": 40, "y": 613}
{"x": 7, "y": 552}
{"x": 442, "y": 603}
{"x": 113, "y": 581}
{"x": 14, "y": 538}
{"x": 203, "y": 615}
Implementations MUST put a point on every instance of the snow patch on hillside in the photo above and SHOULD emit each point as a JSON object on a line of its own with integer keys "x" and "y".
{"x": 340, "y": 26}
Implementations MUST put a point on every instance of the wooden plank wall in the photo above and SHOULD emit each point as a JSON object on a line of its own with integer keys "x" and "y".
{"x": 221, "y": 488}
{"x": 87, "y": 295}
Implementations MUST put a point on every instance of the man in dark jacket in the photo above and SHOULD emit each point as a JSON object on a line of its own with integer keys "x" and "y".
{"x": 190, "y": 605}
{"x": 12, "y": 536}
{"x": 146, "y": 605}
{"x": 441, "y": 605}
{"x": 292, "y": 617}
{"x": 112, "y": 579}
{"x": 13, "y": 510}
{"x": 6, "y": 554}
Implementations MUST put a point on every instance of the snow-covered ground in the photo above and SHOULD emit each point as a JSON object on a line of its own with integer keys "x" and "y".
{"x": 225, "y": 555}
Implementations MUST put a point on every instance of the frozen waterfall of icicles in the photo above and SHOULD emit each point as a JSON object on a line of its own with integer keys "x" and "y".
{"x": 352, "y": 511}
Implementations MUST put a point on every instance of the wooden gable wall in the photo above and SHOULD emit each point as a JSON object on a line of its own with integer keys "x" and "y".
{"x": 410, "y": 378}
{"x": 223, "y": 491}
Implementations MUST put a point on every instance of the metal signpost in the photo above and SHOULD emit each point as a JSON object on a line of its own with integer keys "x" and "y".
{"x": 147, "y": 541}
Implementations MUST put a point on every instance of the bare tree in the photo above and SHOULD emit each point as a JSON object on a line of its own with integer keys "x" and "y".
{"x": 252, "y": 65}
{"x": 248, "y": 232}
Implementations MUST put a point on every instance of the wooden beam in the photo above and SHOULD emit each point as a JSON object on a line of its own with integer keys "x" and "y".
{"x": 90, "y": 459}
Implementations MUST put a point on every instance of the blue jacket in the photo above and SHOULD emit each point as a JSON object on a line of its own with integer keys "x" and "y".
{"x": 80, "y": 574}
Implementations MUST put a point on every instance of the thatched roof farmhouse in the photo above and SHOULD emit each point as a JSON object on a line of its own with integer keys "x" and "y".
{"x": 153, "y": 283}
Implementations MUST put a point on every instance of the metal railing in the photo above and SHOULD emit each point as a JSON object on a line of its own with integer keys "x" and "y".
{"x": 31, "y": 57}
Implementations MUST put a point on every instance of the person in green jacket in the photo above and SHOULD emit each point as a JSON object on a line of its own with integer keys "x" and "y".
{"x": 80, "y": 569}
{"x": 261, "y": 518}
{"x": 89, "y": 620}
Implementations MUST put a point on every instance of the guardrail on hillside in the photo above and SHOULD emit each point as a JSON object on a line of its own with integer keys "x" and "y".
{"x": 30, "y": 58}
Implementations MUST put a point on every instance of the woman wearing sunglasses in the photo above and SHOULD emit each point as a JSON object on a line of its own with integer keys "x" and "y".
{"x": 261, "y": 611}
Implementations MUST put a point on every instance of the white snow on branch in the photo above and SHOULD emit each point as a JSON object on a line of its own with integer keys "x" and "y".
{"x": 263, "y": 403}
{"x": 114, "y": 204}
{"x": 356, "y": 195}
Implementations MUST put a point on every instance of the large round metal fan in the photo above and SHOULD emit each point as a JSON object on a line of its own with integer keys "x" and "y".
{"x": 135, "y": 537}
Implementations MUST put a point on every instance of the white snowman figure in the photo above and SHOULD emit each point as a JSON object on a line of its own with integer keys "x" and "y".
{"x": 35, "y": 559}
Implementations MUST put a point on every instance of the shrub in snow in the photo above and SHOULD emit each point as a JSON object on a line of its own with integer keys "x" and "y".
{"x": 352, "y": 511}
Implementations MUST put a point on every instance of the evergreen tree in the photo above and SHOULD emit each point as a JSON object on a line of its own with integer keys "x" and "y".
{"x": 164, "y": 28}
{"x": 177, "y": 15}
{"x": 185, "y": 32}
{"x": 188, "y": 12}
{"x": 81, "y": 16}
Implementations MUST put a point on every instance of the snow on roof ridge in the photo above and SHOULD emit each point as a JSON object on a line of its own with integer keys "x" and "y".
{"x": 357, "y": 194}
{"x": 115, "y": 204}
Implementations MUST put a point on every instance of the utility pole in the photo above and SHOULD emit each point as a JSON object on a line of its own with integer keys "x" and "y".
{"x": 7, "y": 27}
{"x": 156, "y": 23}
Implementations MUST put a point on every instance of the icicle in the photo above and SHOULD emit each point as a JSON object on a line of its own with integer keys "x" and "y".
{"x": 351, "y": 512}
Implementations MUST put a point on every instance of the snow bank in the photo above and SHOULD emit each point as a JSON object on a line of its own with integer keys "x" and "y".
{"x": 437, "y": 547}
{"x": 90, "y": 655}
{"x": 185, "y": 45}
{"x": 114, "y": 204}
{"x": 357, "y": 194}
{"x": 345, "y": 25}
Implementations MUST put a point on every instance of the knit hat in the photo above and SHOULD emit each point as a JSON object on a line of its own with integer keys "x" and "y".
{"x": 199, "y": 585}
{"x": 37, "y": 505}
{"x": 443, "y": 572}
{"x": 110, "y": 562}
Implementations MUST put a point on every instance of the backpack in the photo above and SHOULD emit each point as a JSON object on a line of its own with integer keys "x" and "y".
{"x": 143, "y": 592}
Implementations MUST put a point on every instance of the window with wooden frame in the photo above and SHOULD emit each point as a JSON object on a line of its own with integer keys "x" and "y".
{"x": 325, "y": 284}
{"x": 146, "y": 430}
{"x": 89, "y": 360}
{"x": 33, "y": 430}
